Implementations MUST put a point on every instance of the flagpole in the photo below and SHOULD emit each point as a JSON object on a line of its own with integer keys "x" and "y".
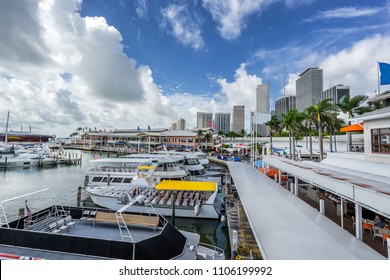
{"x": 379, "y": 84}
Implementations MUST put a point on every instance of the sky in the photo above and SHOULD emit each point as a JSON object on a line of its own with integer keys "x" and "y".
{"x": 115, "y": 64}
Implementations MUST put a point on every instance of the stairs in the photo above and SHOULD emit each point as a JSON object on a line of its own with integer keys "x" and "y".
{"x": 123, "y": 229}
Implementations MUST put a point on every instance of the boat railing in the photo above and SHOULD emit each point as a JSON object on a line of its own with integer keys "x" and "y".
{"x": 212, "y": 251}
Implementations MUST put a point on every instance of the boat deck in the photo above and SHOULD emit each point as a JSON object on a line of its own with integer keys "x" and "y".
{"x": 285, "y": 227}
{"x": 96, "y": 233}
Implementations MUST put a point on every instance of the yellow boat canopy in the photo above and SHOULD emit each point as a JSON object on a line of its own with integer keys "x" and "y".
{"x": 173, "y": 185}
{"x": 146, "y": 167}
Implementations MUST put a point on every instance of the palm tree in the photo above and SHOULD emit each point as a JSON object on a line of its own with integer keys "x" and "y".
{"x": 292, "y": 122}
{"x": 309, "y": 124}
{"x": 321, "y": 113}
{"x": 334, "y": 125}
{"x": 207, "y": 137}
{"x": 221, "y": 135}
{"x": 199, "y": 133}
{"x": 274, "y": 126}
{"x": 350, "y": 106}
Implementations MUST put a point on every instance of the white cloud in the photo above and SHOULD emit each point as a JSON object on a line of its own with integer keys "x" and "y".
{"x": 182, "y": 25}
{"x": 60, "y": 71}
{"x": 347, "y": 13}
{"x": 141, "y": 9}
{"x": 354, "y": 66}
{"x": 231, "y": 14}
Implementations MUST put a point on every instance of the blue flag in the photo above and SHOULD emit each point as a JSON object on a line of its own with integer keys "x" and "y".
{"x": 385, "y": 73}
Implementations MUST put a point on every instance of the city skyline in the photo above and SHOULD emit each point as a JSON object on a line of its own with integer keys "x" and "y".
{"x": 127, "y": 64}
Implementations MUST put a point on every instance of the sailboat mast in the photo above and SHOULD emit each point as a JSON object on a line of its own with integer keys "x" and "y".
{"x": 6, "y": 131}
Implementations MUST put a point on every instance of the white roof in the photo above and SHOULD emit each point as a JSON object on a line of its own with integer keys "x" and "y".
{"x": 369, "y": 190}
{"x": 286, "y": 227}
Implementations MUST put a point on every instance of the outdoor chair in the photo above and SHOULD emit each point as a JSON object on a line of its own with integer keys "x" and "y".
{"x": 91, "y": 216}
{"x": 69, "y": 221}
{"x": 353, "y": 221}
{"x": 377, "y": 232}
{"x": 386, "y": 236}
{"x": 84, "y": 217}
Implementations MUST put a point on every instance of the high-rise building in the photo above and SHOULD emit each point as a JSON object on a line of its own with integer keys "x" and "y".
{"x": 283, "y": 105}
{"x": 222, "y": 122}
{"x": 204, "y": 120}
{"x": 174, "y": 126}
{"x": 238, "y": 122}
{"x": 262, "y": 98}
{"x": 181, "y": 124}
{"x": 336, "y": 93}
{"x": 309, "y": 87}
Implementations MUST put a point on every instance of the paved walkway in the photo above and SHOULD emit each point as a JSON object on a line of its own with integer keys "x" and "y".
{"x": 285, "y": 227}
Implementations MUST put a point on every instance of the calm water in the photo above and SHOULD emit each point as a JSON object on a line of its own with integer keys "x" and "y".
{"x": 63, "y": 182}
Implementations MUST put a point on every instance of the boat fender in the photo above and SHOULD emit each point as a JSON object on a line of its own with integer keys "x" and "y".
{"x": 197, "y": 209}
{"x": 223, "y": 218}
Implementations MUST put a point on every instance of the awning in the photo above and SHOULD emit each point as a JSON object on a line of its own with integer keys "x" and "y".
{"x": 174, "y": 185}
{"x": 357, "y": 127}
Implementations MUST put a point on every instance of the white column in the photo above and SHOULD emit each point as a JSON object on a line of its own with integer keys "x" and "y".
{"x": 296, "y": 188}
{"x": 358, "y": 221}
{"x": 322, "y": 206}
{"x": 342, "y": 211}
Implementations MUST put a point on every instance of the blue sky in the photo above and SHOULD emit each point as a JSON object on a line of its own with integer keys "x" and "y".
{"x": 123, "y": 64}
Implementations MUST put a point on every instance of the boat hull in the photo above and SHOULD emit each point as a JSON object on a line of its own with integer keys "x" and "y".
{"x": 206, "y": 211}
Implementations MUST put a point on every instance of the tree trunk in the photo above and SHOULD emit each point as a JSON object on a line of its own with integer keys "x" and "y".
{"x": 335, "y": 143}
{"x": 331, "y": 142}
{"x": 321, "y": 143}
{"x": 311, "y": 144}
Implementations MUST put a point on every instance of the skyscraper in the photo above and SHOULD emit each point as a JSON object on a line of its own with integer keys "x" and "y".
{"x": 283, "y": 105}
{"x": 309, "y": 87}
{"x": 181, "y": 124}
{"x": 238, "y": 122}
{"x": 222, "y": 122}
{"x": 336, "y": 93}
{"x": 262, "y": 98}
{"x": 204, "y": 120}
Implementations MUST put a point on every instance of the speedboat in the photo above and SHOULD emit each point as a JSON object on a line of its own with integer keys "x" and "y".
{"x": 146, "y": 193}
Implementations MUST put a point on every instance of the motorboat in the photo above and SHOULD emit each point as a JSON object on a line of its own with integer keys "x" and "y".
{"x": 146, "y": 193}
{"x": 57, "y": 232}
{"x": 19, "y": 160}
{"x": 120, "y": 171}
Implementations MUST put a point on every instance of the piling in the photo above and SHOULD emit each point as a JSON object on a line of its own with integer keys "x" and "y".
{"x": 79, "y": 196}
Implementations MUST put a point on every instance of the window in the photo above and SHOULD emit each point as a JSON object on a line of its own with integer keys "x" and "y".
{"x": 380, "y": 140}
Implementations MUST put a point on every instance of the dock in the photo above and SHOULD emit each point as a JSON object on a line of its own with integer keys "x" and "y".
{"x": 283, "y": 226}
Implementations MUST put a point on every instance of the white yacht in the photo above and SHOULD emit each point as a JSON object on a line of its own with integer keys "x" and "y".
{"x": 147, "y": 194}
{"x": 120, "y": 171}
{"x": 19, "y": 160}
{"x": 188, "y": 160}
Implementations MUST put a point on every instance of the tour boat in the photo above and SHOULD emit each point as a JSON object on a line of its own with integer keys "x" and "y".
{"x": 146, "y": 193}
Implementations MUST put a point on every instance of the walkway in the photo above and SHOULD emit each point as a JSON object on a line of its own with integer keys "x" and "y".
{"x": 285, "y": 227}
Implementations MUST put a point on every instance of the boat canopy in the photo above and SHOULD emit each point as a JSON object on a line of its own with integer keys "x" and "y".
{"x": 174, "y": 185}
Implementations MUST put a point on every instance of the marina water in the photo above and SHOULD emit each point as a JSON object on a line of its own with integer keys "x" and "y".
{"x": 64, "y": 182}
